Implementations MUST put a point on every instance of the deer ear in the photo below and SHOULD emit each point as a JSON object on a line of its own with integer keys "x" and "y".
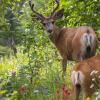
{"x": 58, "y": 14}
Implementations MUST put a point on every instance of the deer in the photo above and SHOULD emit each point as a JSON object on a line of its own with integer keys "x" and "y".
{"x": 74, "y": 44}
{"x": 82, "y": 77}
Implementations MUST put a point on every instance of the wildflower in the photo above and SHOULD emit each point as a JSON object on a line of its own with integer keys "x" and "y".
{"x": 92, "y": 86}
{"x": 58, "y": 94}
{"x": 92, "y": 73}
{"x": 99, "y": 76}
{"x": 65, "y": 92}
{"x": 93, "y": 79}
{"x": 96, "y": 93}
{"x": 12, "y": 73}
{"x": 22, "y": 89}
{"x": 88, "y": 98}
{"x": 25, "y": 85}
{"x": 96, "y": 72}
{"x": 36, "y": 91}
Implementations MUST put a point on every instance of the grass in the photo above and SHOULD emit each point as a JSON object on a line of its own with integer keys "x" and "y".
{"x": 4, "y": 51}
{"x": 22, "y": 78}
{"x": 18, "y": 83}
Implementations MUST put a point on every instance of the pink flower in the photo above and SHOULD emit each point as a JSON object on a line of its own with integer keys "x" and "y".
{"x": 65, "y": 92}
{"x": 22, "y": 89}
{"x": 58, "y": 94}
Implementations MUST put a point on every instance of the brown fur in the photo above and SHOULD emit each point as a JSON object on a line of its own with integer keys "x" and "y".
{"x": 86, "y": 67}
{"x": 67, "y": 41}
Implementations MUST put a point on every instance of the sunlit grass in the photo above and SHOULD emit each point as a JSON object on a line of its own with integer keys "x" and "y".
{"x": 48, "y": 78}
{"x": 15, "y": 74}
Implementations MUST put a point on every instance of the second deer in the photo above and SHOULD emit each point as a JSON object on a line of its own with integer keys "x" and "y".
{"x": 86, "y": 77}
{"x": 73, "y": 43}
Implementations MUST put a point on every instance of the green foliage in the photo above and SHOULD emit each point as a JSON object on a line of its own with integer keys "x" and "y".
{"x": 4, "y": 51}
{"x": 35, "y": 72}
{"x": 30, "y": 78}
{"x": 17, "y": 15}
{"x": 82, "y": 12}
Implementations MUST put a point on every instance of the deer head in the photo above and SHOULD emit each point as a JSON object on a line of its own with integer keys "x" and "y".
{"x": 48, "y": 21}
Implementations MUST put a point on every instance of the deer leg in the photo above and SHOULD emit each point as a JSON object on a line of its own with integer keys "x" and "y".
{"x": 76, "y": 92}
{"x": 64, "y": 65}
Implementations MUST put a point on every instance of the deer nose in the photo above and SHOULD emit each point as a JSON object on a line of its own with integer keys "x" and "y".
{"x": 49, "y": 31}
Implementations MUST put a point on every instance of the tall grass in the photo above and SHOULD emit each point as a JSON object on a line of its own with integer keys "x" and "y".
{"x": 18, "y": 83}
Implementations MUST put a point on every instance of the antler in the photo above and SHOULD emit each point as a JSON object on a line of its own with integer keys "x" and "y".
{"x": 57, "y": 2}
{"x": 38, "y": 15}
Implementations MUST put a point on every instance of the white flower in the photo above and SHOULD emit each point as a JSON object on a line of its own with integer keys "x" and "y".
{"x": 96, "y": 93}
{"x": 11, "y": 72}
{"x": 92, "y": 73}
{"x": 25, "y": 84}
{"x": 99, "y": 76}
{"x": 92, "y": 86}
{"x": 93, "y": 79}
{"x": 36, "y": 91}
{"x": 96, "y": 72}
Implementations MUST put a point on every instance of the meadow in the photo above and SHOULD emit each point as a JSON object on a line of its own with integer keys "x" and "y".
{"x": 30, "y": 64}
{"x": 23, "y": 78}
{"x": 20, "y": 79}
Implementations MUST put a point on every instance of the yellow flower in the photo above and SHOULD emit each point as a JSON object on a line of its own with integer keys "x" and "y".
{"x": 88, "y": 98}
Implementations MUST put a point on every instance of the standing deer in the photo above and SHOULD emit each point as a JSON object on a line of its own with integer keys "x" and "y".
{"x": 73, "y": 43}
{"x": 82, "y": 75}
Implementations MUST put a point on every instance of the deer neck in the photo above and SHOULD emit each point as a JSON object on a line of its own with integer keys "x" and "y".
{"x": 55, "y": 34}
